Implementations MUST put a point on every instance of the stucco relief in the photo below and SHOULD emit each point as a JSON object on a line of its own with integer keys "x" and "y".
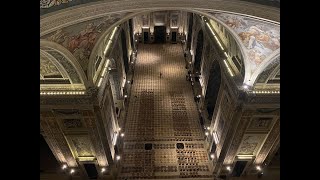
{"x": 275, "y": 132}
{"x": 50, "y": 3}
{"x": 250, "y": 144}
{"x": 94, "y": 137}
{"x": 67, "y": 65}
{"x": 261, "y": 39}
{"x": 72, "y": 123}
{"x": 47, "y": 68}
{"x": 82, "y": 146}
{"x": 80, "y": 39}
{"x": 260, "y": 123}
{"x": 263, "y": 77}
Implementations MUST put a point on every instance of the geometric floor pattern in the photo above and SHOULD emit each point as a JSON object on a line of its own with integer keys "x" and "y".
{"x": 163, "y": 137}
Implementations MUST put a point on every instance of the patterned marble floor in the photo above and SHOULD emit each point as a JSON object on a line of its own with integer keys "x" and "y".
{"x": 163, "y": 137}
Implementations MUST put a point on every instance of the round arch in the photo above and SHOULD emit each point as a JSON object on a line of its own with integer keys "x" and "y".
{"x": 97, "y": 46}
{"x": 69, "y": 16}
{"x": 70, "y": 58}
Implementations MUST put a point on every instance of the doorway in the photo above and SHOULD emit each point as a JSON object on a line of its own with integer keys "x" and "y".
{"x": 174, "y": 37}
{"x": 238, "y": 168}
{"x": 91, "y": 170}
{"x": 145, "y": 37}
{"x": 160, "y": 34}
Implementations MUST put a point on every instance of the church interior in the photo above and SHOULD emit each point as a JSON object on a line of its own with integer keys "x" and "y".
{"x": 166, "y": 89}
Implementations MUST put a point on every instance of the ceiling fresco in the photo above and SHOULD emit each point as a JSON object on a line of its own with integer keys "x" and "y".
{"x": 80, "y": 39}
{"x": 261, "y": 39}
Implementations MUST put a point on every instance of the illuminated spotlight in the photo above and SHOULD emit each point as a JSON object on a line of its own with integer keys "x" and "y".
{"x": 119, "y": 129}
{"x": 71, "y": 171}
{"x": 125, "y": 96}
{"x": 208, "y": 128}
{"x": 258, "y": 168}
{"x": 136, "y": 40}
{"x": 64, "y": 166}
{"x": 122, "y": 134}
{"x": 212, "y": 156}
{"x": 245, "y": 86}
{"x": 103, "y": 170}
{"x": 228, "y": 168}
{"x": 118, "y": 157}
{"x": 132, "y": 62}
{"x": 207, "y": 134}
{"x": 128, "y": 82}
{"x": 198, "y": 96}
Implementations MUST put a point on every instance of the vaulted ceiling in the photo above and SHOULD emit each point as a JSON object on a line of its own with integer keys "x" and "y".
{"x": 79, "y": 30}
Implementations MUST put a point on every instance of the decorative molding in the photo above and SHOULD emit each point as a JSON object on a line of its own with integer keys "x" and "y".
{"x": 81, "y": 145}
{"x": 263, "y": 77}
{"x": 271, "y": 139}
{"x": 61, "y": 141}
{"x": 89, "y": 119}
{"x": 264, "y": 99}
{"x": 75, "y": 15}
{"x": 44, "y": 4}
{"x": 47, "y": 67}
{"x": 67, "y": 65}
{"x": 66, "y": 101}
{"x": 236, "y": 141}
{"x": 72, "y": 123}
{"x": 250, "y": 144}
{"x": 51, "y": 141}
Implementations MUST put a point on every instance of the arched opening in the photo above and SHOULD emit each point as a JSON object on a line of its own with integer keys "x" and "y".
{"x": 124, "y": 51}
{"x": 213, "y": 88}
{"x": 198, "y": 57}
{"x": 190, "y": 30}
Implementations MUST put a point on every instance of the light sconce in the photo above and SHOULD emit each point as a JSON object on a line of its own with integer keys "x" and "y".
{"x": 103, "y": 170}
{"x": 258, "y": 168}
{"x": 212, "y": 156}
